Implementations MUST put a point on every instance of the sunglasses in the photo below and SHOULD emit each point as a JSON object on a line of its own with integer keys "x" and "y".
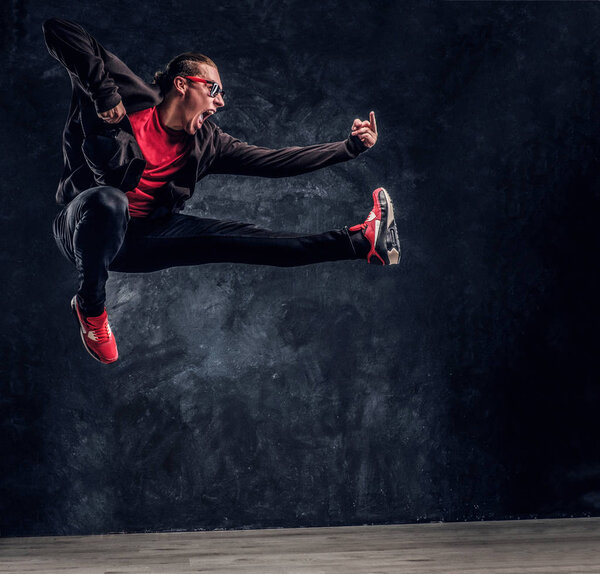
{"x": 215, "y": 89}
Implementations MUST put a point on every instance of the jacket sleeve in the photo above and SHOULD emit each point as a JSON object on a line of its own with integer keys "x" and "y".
{"x": 236, "y": 157}
{"x": 83, "y": 57}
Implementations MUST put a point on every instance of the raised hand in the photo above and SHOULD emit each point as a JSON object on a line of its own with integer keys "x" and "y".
{"x": 366, "y": 131}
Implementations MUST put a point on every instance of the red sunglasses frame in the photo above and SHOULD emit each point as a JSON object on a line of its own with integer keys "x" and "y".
{"x": 215, "y": 89}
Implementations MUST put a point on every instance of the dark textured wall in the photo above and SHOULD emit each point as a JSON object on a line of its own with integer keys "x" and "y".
{"x": 461, "y": 385}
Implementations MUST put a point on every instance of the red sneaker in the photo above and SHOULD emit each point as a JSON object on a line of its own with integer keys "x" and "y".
{"x": 380, "y": 230}
{"x": 96, "y": 335}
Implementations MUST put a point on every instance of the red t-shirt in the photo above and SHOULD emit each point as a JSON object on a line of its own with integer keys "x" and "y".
{"x": 165, "y": 151}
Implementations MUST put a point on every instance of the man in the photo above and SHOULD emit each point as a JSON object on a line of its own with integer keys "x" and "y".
{"x": 133, "y": 153}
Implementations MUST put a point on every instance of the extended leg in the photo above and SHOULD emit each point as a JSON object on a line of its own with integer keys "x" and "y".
{"x": 187, "y": 240}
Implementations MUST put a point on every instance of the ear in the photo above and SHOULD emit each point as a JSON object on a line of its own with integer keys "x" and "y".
{"x": 180, "y": 84}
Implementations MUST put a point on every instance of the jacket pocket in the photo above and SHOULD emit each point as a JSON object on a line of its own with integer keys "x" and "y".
{"x": 115, "y": 158}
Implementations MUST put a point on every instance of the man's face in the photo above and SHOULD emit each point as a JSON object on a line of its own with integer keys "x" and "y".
{"x": 196, "y": 104}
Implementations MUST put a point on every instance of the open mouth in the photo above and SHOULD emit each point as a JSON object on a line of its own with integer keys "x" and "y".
{"x": 204, "y": 116}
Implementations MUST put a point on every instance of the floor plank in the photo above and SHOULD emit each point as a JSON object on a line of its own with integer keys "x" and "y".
{"x": 562, "y": 546}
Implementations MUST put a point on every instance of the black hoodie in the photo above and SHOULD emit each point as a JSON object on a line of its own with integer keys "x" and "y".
{"x": 97, "y": 153}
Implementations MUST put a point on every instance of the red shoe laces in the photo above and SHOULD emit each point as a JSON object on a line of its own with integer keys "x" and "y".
{"x": 363, "y": 225}
{"x": 102, "y": 333}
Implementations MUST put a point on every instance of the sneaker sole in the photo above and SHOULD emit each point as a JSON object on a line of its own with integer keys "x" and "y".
{"x": 393, "y": 252}
{"x": 90, "y": 352}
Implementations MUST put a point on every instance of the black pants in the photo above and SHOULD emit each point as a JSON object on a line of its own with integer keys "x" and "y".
{"x": 95, "y": 232}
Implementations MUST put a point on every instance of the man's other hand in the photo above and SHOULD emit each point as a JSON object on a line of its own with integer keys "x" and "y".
{"x": 366, "y": 131}
{"x": 115, "y": 115}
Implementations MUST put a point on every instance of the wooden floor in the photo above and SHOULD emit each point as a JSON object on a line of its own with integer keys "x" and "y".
{"x": 528, "y": 546}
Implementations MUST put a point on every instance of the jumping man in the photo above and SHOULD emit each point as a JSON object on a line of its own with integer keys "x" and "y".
{"x": 133, "y": 153}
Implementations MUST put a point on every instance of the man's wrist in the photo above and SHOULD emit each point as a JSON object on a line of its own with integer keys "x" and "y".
{"x": 106, "y": 103}
{"x": 356, "y": 146}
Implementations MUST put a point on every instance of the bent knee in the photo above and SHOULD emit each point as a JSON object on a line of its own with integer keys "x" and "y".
{"x": 108, "y": 200}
